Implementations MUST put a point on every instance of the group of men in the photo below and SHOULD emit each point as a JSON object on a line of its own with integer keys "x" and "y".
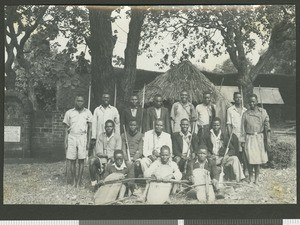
{"x": 156, "y": 143}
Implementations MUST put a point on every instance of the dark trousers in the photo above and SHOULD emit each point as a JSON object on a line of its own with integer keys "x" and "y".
{"x": 201, "y": 131}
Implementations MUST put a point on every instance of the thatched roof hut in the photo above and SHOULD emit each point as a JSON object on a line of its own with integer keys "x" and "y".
{"x": 182, "y": 76}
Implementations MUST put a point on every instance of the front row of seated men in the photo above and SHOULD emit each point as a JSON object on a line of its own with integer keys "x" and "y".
{"x": 153, "y": 155}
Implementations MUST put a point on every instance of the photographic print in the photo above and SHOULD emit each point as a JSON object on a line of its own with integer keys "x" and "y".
{"x": 150, "y": 105}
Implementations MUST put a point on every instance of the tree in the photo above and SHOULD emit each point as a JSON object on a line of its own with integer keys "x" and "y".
{"x": 131, "y": 51}
{"x": 213, "y": 29}
{"x": 101, "y": 44}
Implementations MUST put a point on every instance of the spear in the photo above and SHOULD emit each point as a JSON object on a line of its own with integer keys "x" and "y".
{"x": 115, "y": 98}
{"x": 261, "y": 102}
{"x": 143, "y": 105}
{"x": 126, "y": 139}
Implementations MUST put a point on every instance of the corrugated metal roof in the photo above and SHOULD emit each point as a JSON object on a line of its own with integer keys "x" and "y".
{"x": 269, "y": 95}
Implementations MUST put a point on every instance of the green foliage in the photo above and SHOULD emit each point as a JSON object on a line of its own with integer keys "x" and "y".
{"x": 280, "y": 154}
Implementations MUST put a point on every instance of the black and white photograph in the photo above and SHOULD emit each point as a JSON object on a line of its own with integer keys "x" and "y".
{"x": 150, "y": 105}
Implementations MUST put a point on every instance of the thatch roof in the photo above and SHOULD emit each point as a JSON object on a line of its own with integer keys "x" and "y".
{"x": 182, "y": 76}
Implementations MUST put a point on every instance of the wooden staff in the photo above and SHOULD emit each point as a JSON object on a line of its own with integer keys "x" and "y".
{"x": 126, "y": 139}
{"x": 226, "y": 151}
{"x": 189, "y": 148}
{"x": 143, "y": 105}
{"x": 261, "y": 102}
{"x": 115, "y": 97}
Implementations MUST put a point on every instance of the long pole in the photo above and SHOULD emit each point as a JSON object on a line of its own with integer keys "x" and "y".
{"x": 143, "y": 105}
{"x": 115, "y": 97}
{"x": 89, "y": 99}
{"x": 262, "y": 105}
{"x": 127, "y": 144}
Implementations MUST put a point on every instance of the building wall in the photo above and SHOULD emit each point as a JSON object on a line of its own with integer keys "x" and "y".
{"x": 47, "y": 137}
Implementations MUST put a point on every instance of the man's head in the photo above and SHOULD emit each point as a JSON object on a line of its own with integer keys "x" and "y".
{"x": 253, "y": 101}
{"x": 79, "y": 102}
{"x": 109, "y": 127}
{"x": 201, "y": 153}
{"x": 184, "y": 124}
{"x": 133, "y": 126}
{"x": 134, "y": 101}
{"x": 105, "y": 99}
{"x": 237, "y": 98}
{"x": 158, "y": 101}
{"x": 118, "y": 157}
{"x": 184, "y": 96}
{"x": 206, "y": 98}
{"x": 165, "y": 154}
{"x": 216, "y": 124}
{"x": 159, "y": 126}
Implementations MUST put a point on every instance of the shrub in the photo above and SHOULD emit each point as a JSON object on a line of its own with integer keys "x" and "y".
{"x": 280, "y": 154}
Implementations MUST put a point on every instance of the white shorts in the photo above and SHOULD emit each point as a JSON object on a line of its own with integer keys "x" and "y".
{"x": 76, "y": 147}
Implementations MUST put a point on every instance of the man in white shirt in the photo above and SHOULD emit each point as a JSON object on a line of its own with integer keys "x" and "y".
{"x": 77, "y": 137}
{"x": 153, "y": 141}
{"x": 234, "y": 120}
{"x": 101, "y": 114}
{"x": 206, "y": 113}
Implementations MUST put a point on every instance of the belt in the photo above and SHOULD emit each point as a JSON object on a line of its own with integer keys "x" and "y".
{"x": 255, "y": 133}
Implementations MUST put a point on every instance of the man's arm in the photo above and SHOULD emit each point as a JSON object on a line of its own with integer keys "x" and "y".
{"x": 176, "y": 172}
{"x": 149, "y": 172}
{"x": 94, "y": 124}
{"x": 172, "y": 116}
{"x": 117, "y": 122}
{"x": 66, "y": 121}
{"x": 243, "y": 132}
{"x": 167, "y": 121}
{"x": 139, "y": 151}
{"x": 124, "y": 148}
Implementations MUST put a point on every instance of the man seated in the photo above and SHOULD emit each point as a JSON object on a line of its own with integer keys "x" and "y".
{"x": 216, "y": 143}
{"x": 119, "y": 165}
{"x": 209, "y": 167}
{"x": 134, "y": 145}
{"x": 164, "y": 168}
{"x": 184, "y": 144}
{"x": 107, "y": 143}
{"x": 153, "y": 141}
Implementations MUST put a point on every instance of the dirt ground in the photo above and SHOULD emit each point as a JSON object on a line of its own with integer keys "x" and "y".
{"x": 44, "y": 183}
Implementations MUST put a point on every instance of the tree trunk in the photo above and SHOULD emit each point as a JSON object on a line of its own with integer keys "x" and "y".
{"x": 101, "y": 44}
{"x": 131, "y": 51}
{"x": 10, "y": 79}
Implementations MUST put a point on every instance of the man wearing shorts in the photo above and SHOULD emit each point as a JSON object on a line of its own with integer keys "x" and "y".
{"x": 77, "y": 137}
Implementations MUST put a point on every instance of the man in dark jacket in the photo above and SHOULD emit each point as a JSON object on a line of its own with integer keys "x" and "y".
{"x": 216, "y": 143}
{"x": 184, "y": 144}
{"x": 158, "y": 112}
{"x": 133, "y": 112}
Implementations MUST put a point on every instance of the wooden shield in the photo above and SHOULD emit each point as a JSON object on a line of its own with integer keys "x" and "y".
{"x": 205, "y": 192}
{"x": 158, "y": 192}
{"x": 109, "y": 192}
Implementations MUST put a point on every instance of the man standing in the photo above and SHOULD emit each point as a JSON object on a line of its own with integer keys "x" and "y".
{"x": 164, "y": 168}
{"x": 206, "y": 113}
{"x": 255, "y": 123}
{"x": 182, "y": 110}
{"x": 216, "y": 143}
{"x": 77, "y": 137}
{"x": 107, "y": 143}
{"x": 234, "y": 119}
{"x": 184, "y": 143}
{"x": 158, "y": 112}
{"x": 103, "y": 113}
{"x": 153, "y": 141}
{"x": 135, "y": 144}
{"x": 133, "y": 112}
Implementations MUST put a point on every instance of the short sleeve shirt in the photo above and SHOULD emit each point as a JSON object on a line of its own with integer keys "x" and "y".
{"x": 77, "y": 121}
